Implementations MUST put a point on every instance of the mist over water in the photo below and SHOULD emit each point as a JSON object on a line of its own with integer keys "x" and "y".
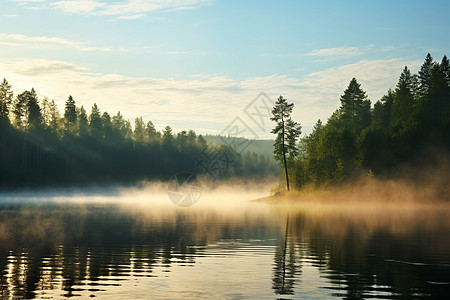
{"x": 133, "y": 243}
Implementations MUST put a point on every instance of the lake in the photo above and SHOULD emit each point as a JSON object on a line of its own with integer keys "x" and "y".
{"x": 136, "y": 244}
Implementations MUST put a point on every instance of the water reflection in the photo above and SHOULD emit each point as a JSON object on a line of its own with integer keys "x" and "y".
{"x": 376, "y": 252}
{"x": 286, "y": 264}
{"x": 248, "y": 251}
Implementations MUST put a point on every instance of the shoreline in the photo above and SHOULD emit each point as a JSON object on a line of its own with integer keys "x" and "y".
{"x": 366, "y": 191}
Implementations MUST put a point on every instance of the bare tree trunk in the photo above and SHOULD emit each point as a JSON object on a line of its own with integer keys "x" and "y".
{"x": 284, "y": 154}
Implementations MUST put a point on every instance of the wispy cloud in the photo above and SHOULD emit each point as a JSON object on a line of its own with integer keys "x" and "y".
{"x": 328, "y": 54}
{"x": 201, "y": 98}
{"x": 132, "y": 17}
{"x": 340, "y": 52}
{"x": 123, "y": 9}
{"x": 38, "y": 67}
{"x": 47, "y": 42}
{"x": 25, "y": 2}
{"x": 79, "y": 6}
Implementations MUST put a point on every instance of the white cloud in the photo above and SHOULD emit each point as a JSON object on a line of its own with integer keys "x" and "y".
{"x": 23, "y": 2}
{"x": 339, "y": 52}
{"x": 201, "y": 102}
{"x": 78, "y": 6}
{"x": 124, "y": 9}
{"x": 46, "y": 42}
{"x": 132, "y": 17}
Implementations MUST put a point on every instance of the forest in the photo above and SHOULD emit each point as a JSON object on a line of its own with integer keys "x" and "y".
{"x": 407, "y": 129}
{"x": 407, "y": 126}
{"x": 39, "y": 147}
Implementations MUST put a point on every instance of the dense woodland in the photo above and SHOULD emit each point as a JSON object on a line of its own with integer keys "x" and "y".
{"x": 38, "y": 146}
{"x": 409, "y": 126}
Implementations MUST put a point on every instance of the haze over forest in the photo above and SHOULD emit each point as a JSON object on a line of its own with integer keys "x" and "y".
{"x": 140, "y": 91}
{"x": 408, "y": 125}
{"x": 224, "y": 149}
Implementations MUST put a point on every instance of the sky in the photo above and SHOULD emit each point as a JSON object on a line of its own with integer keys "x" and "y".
{"x": 215, "y": 66}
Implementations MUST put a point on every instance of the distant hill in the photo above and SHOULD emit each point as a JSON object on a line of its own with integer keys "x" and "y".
{"x": 263, "y": 147}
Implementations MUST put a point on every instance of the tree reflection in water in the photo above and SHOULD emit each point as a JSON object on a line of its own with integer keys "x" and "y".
{"x": 285, "y": 267}
{"x": 357, "y": 252}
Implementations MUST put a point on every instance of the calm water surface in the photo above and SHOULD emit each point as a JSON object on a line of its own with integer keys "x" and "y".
{"x": 138, "y": 245}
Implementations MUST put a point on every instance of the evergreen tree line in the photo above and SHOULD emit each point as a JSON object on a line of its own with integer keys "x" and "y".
{"x": 407, "y": 125}
{"x": 38, "y": 146}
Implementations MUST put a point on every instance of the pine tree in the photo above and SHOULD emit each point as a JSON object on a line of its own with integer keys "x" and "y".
{"x": 355, "y": 107}
{"x": 83, "y": 124}
{"x": 425, "y": 74}
{"x": 45, "y": 109}
{"x": 182, "y": 140}
{"x": 20, "y": 110}
{"x": 167, "y": 138}
{"x": 55, "y": 116}
{"x": 120, "y": 126}
{"x": 34, "y": 115}
{"x": 287, "y": 131}
{"x": 382, "y": 111}
{"x": 191, "y": 136}
{"x": 70, "y": 115}
{"x": 95, "y": 122}
{"x": 6, "y": 101}
{"x": 152, "y": 134}
{"x": 107, "y": 126}
{"x": 438, "y": 94}
{"x": 403, "y": 104}
{"x": 445, "y": 68}
{"x": 139, "y": 130}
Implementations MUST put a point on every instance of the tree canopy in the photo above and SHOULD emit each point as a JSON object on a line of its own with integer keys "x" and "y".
{"x": 400, "y": 129}
{"x": 39, "y": 147}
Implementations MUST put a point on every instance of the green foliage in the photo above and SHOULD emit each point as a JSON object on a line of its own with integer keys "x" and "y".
{"x": 27, "y": 113}
{"x": 95, "y": 122}
{"x": 404, "y": 125}
{"x": 287, "y": 132}
{"x": 107, "y": 127}
{"x": 355, "y": 107}
{"x": 403, "y": 102}
{"x": 55, "y": 117}
{"x": 34, "y": 115}
{"x": 381, "y": 116}
{"x": 168, "y": 140}
{"x": 6, "y": 101}
{"x": 152, "y": 134}
{"x": 41, "y": 148}
{"x": 20, "y": 110}
{"x": 425, "y": 74}
{"x": 139, "y": 133}
{"x": 70, "y": 115}
{"x": 83, "y": 123}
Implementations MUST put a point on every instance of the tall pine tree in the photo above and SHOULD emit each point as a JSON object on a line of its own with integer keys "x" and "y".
{"x": 355, "y": 107}
{"x": 83, "y": 124}
{"x": 70, "y": 115}
{"x": 403, "y": 104}
{"x": 6, "y": 101}
{"x": 425, "y": 74}
{"x": 95, "y": 122}
{"x": 34, "y": 114}
{"x": 287, "y": 132}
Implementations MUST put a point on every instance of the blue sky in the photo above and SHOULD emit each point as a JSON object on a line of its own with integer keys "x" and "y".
{"x": 198, "y": 63}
